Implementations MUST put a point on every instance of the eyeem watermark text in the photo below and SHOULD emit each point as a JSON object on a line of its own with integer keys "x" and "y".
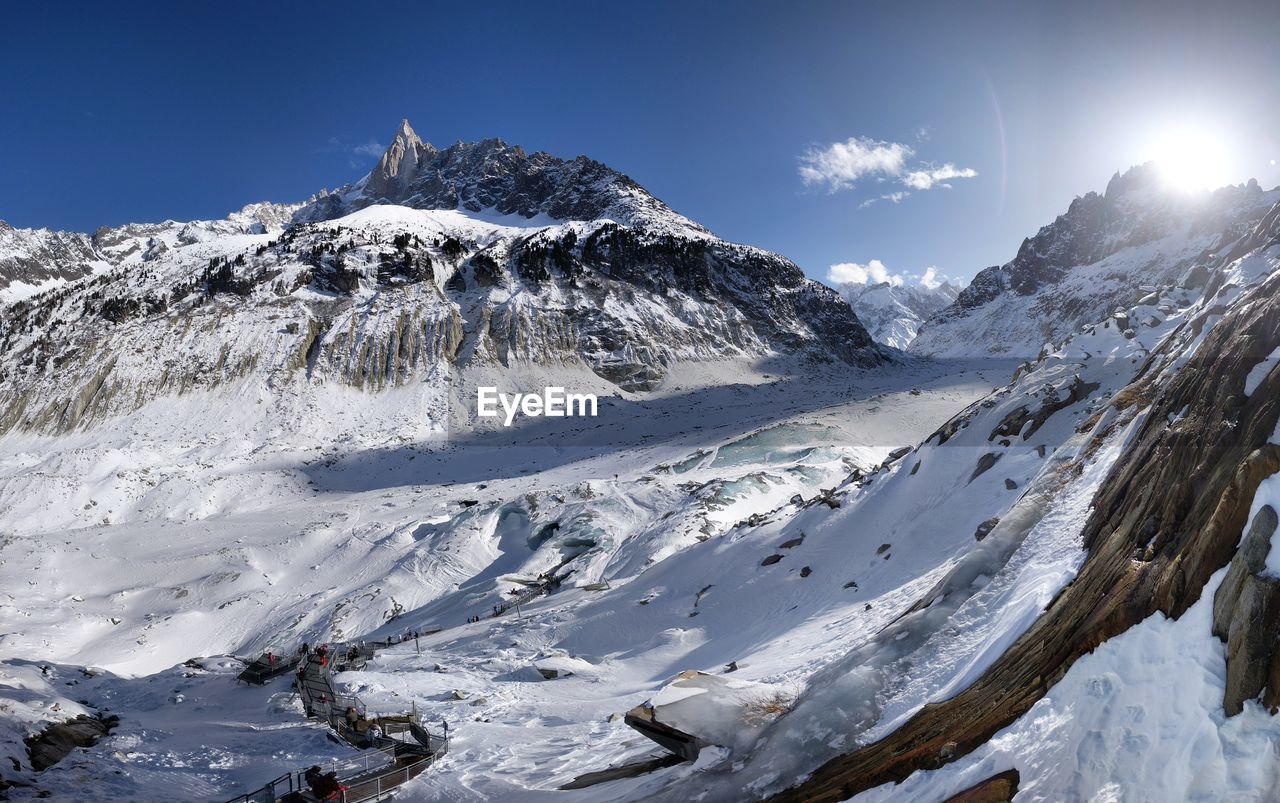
{"x": 553, "y": 402}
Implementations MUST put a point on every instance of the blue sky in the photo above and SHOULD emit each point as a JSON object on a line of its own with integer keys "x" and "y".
{"x": 123, "y": 112}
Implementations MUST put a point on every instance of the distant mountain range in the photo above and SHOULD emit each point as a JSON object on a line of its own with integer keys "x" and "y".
{"x": 481, "y": 256}
{"x": 894, "y": 312}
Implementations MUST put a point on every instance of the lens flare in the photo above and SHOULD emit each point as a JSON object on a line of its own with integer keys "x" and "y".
{"x": 1191, "y": 159}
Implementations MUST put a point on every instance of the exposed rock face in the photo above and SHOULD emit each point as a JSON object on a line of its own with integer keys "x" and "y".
{"x": 56, "y": 741}
{"x": 399, "y": 165}
{"x": 996, "y": 789}
{"x": 35, "y": 256}
{"x": 1060, "y": 398}
{"x": 985, "y": 463}
{"x": 1167, "y": 517}
{"x": 1100, "y": 254}
{"x": 1246, "y": 615}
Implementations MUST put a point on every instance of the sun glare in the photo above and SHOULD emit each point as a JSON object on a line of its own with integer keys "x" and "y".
{"x": 1191, "y": 159}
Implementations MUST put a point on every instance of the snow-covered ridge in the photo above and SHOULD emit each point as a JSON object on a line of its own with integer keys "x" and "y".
{"x": 35, "y": 260}
{"x": 1096, "y": 258}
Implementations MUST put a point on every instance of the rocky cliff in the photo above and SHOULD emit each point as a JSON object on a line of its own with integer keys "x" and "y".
{"x": 1105, "y": 252}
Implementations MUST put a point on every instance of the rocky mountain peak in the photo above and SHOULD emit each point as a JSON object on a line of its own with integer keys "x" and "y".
{"x": 1099, "y": 253}
{"x": 400, "y": 164}
{"x": 495, "y": 176}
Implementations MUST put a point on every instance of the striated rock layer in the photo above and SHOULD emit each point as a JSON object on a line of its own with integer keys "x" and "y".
{"x": 1168, "y": 516}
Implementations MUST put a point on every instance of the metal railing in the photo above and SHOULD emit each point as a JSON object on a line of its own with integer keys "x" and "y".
{"x": 295, "y": 781}
{"x": 404, "y": 751}
{"x": 546, "y": 586}
{"x": 359, "y": 791}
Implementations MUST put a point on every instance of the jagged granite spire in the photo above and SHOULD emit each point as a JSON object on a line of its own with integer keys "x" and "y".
{"x": 400, "y": 164}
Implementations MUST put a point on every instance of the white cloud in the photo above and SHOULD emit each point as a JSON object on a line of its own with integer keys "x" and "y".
{"x": 893, "y": 198}
{"x": 358, "y": 155}
{"x": 370, "y": 148}
{"x": 874, "y": 272}
{"x": 929, "y": 177}
{"x": 841, "y": 164}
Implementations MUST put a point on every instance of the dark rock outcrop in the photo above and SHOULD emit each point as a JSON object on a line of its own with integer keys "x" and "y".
{"x": 1246, "y": 615}
{"x": 1017, "y": 421}
{"x": 984, "y": 529}
{"x": 1057, "y": 281}
{"x": 985, "y": 463}
{"x": 1093, "y": 227}
{"x": 999, "y": 788}
{"x": 493, "y": 175}
{"x": 55, "y": 742}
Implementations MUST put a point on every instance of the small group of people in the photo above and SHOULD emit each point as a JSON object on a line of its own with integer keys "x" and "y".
{"x": 307, "y": 650}
{"x": 372, "y": 733}
{"x": 473, "y": 619}
{"x": 324, "y": 785}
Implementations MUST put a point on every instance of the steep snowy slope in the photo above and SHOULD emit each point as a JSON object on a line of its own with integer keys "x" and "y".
{"x": 1157, "y": 492}
{"x": 1103, "y": 254}
{"x": 894, "y": 312}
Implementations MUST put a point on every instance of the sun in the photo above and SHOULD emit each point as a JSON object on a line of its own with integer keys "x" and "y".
{"x": 1191, "y": 159}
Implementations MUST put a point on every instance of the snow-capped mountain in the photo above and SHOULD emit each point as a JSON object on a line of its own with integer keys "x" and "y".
{"x": 1103, "y": 254}
{"x": 477, "y": 257}
{"x": 492, "y": 176}
{"x": 893, "y": 312}
{"x": 34, "y": 258}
